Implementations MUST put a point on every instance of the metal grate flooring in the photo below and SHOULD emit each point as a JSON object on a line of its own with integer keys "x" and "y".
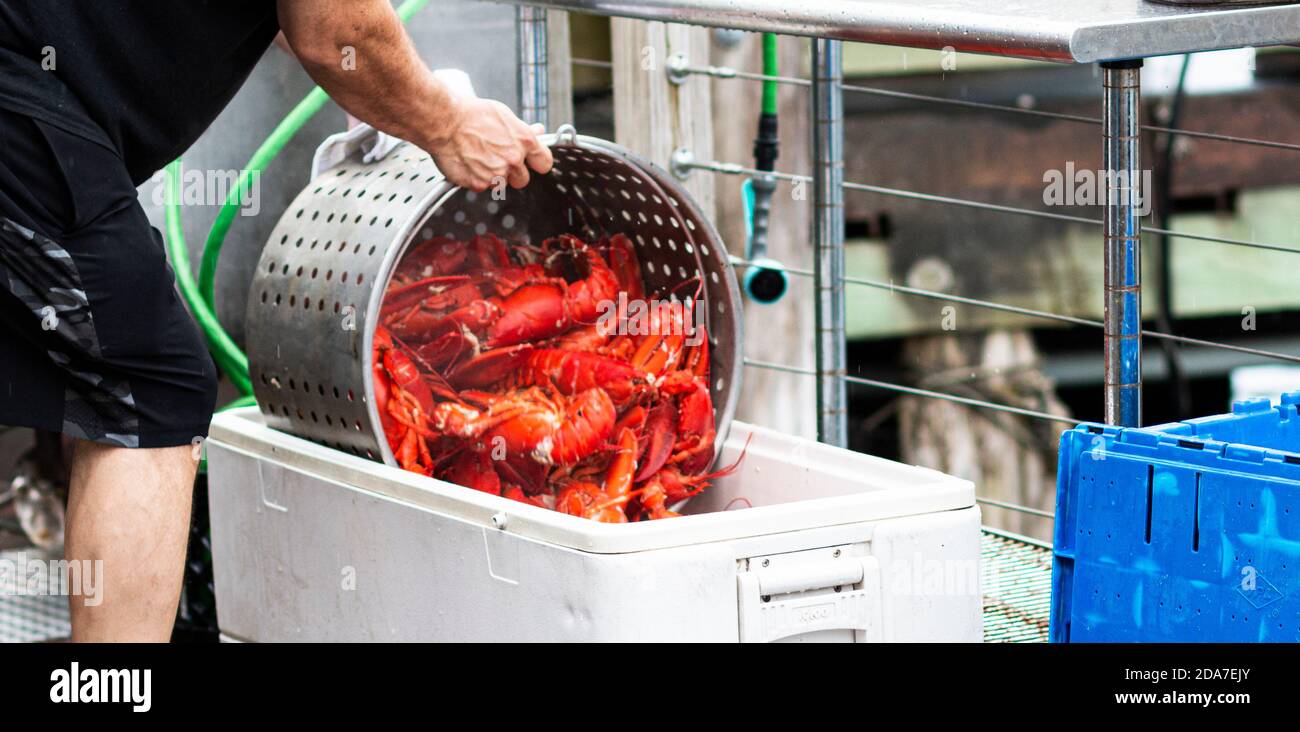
{"x": 28, "y": 618}
{"x": 1017, "y": 581}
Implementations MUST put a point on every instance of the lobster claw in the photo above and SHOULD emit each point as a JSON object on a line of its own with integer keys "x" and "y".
{"x": 515, "y": 493}
{"x": 447, "y": 349}
{"x": 661, "y": 435}
{"x": 695, "y": 426}
{"x": 489, "y": 252}
{"x": 437, "y": 288}
{"x": 626, "y": 267}
{"x": 473, "y": 470}
{"x": 534, "y": 311}
{"x": 437, "y": 256}
{"x": 489, "y": 367}
{"x": 528, "y": 475}
{"x": 622, "y": 468}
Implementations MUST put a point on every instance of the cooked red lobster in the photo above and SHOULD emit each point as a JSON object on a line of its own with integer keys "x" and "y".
{"x": 513, "y": 370}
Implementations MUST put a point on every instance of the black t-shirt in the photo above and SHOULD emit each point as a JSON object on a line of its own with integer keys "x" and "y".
{"x": 146, "y": 77}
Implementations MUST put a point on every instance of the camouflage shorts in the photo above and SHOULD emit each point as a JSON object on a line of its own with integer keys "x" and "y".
{"x": 94, "y": 340}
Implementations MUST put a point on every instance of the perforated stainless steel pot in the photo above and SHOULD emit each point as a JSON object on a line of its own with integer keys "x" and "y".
{"x": 315, "y": 298}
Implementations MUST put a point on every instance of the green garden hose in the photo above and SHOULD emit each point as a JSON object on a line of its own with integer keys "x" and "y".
{"x": 240, "y": 403}
{"x": 266, "y": 152}
{"x": 765, "y": 280}
{"x": 229, "y": 358}
{"x": 771, "y": 68}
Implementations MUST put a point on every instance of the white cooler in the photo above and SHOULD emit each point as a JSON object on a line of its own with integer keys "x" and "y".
{"x": 804, "y": 542}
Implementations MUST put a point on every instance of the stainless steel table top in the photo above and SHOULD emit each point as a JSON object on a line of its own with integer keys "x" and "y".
{"x": 1068, "y": 31}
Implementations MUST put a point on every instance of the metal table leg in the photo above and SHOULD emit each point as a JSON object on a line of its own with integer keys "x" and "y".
{"x": 533, "y": 90}
{"x": 1121, "y": 112}
{"x": 828, "y": 235}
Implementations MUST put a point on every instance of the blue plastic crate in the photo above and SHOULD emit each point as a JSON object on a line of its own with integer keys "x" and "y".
{"x": 1183, "y": 532}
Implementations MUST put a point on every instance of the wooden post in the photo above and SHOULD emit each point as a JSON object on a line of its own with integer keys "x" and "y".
{"x": 782, "y": 332}
{"x": 652, "y": 116}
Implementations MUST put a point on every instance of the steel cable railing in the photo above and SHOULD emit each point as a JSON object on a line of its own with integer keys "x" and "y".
{"x": 916, "y": 391}
{"x": 1030, "y": 312}
{"x": 735, "y": 169}
{"x": 928, "y": 393}
{"x": 723, "y": 72}
{"x": 680, "y": 70}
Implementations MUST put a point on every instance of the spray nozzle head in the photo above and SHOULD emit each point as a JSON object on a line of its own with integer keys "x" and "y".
{"x": 765, "y": 281}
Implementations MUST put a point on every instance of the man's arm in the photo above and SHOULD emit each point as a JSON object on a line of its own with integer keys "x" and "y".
{"x": 358, "y": 51}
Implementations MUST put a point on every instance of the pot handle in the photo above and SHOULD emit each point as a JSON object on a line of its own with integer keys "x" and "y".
{"x": 566, "y": 134}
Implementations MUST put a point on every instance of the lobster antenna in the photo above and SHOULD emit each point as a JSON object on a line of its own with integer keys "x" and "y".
{"x": 732, "y": 467}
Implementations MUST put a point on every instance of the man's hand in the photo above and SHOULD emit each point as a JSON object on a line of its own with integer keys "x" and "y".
{"x": 359, "y": 53}
{"x": 486, "y": 144}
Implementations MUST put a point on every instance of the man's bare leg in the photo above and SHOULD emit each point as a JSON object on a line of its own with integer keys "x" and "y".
{"x": 130, "y": 509}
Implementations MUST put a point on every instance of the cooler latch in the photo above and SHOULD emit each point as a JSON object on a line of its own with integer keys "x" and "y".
{"x": 810, "y": 594}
